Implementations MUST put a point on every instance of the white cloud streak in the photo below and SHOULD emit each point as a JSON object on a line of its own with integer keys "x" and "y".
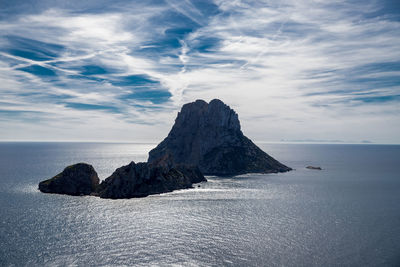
{"x": 285, "y": 48}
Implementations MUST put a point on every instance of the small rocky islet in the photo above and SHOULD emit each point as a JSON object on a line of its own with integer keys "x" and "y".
{"x": 206, "y": 139}
{"x": 314, "y": 168}
{"x": 76, "y": 180}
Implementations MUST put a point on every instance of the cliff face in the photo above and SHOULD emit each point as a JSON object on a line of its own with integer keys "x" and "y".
{"x": 77, "y": 179}
{"x": 209, "y": 136}
{"x": 143, "y": 179}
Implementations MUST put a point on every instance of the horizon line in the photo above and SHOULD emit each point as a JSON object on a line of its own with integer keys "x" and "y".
{"x": 157, "y": 142}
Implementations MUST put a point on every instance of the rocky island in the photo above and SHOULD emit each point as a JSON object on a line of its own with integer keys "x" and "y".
{"x": 78, "y": 179}
{"x": 206, "y": 139}
{"x": 208, "y": 135}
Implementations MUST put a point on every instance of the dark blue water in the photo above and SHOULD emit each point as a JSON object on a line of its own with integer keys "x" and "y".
{"x": 348, "y": 214}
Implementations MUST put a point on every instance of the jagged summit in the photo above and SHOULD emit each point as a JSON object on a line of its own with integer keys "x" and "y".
{"x": 208, "y": 135}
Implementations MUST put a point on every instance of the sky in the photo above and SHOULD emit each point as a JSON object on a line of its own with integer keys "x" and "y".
{"x": 315, "y": 71}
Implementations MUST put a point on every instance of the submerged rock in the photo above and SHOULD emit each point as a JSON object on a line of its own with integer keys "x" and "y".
{"x": 77, "y": 179}
{"x": 208, "y": 135}
{"x": 143, "y": 179}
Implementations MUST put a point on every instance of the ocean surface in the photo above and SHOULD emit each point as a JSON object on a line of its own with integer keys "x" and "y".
{"x": 348, "y": 214}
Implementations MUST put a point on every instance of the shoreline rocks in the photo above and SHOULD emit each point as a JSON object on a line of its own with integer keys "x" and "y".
{"x": 143, "y": 179}
{"x": 132, "y": 180}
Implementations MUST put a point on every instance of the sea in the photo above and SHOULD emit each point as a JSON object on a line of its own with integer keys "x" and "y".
{"x": 347, "y": 214}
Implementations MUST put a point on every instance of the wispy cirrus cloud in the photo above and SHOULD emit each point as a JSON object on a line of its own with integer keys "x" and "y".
{"x": 292, "y": 69}
{"x": 304, "y": 67}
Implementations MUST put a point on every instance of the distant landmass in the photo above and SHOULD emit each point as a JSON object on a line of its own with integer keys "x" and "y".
{"x": 325, "y": 141}
{"x": 206, "y": 139}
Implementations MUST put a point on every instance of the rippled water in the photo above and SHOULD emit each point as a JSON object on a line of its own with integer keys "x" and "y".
{"x": 345, "y": 215}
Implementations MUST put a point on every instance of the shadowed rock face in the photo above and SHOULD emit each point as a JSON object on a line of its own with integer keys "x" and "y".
{"x": 143, "y": 179}
{"x": 77, "y": 179}
{"x": 209, "y": 136}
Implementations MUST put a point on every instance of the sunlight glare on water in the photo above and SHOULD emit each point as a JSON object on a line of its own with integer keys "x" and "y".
{"x": 347, "y": 214}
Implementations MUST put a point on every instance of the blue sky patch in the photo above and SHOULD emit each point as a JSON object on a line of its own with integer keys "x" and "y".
{"x": 82, "y": 106}
{"x": 143, "y": 88}
{"x": 21, "y": 115}
{"x": 378, "y": 99}
{"x": 39, "y": 71}
{"x": 93, "y": 70}
{"x": 134, "y": 80}
{"x": 82, "y": 78}
{"x": 154, "y": 96}
{"x": 31, "y": 49}
{"x": 204, "y": 44}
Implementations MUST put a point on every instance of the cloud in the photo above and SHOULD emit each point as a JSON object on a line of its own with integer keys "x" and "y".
{"x": 292, "y": 69}
{"x": 304, "y": 65}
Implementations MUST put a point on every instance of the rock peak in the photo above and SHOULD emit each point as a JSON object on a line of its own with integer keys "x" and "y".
{"x": 199, "y": 116}
{"x": 208, "y": 135}
{"x": 216, "y": 101}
